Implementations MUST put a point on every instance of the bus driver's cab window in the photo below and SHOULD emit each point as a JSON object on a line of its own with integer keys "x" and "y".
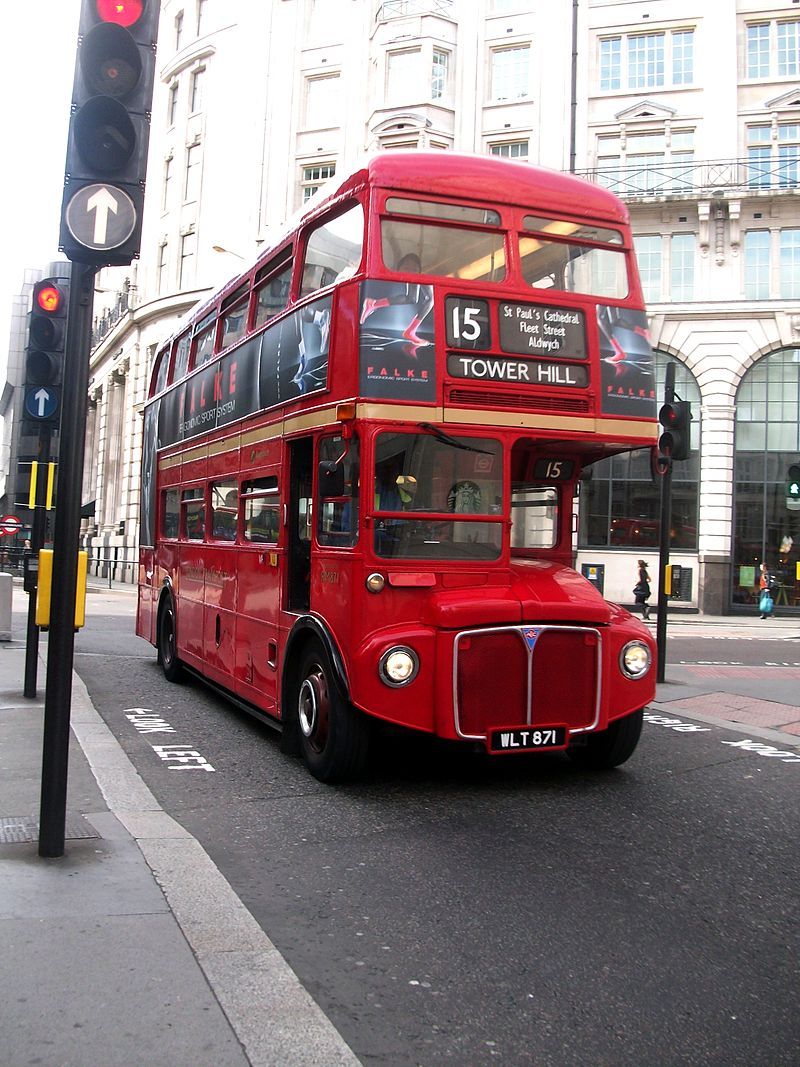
{"x": 337, "y": 489}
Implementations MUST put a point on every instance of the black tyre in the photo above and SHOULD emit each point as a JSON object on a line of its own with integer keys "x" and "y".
{"x": 611, "y": 747}
{"x": 167, "y": 649}
{"x": 333, "y": 736}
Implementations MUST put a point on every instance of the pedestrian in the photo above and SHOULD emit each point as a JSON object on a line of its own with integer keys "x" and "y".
{"x": 641, "y": 591}
{"x": 765, "y": 584}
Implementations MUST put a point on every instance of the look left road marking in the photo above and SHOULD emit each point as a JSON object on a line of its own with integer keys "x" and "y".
{"x": 177, "y": 757}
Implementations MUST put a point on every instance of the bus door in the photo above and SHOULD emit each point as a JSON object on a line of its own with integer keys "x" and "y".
{"x": 259, "y": 575}
{"x": 301, "y": 455}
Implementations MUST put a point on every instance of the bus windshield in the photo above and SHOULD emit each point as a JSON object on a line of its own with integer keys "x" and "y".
{"x": 451, "y": 478}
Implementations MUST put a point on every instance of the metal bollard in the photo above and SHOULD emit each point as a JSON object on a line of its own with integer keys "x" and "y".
{"x": 6, "y": 589}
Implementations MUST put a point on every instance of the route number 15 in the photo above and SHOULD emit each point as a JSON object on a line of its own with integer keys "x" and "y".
{"x": 467, "y": 323}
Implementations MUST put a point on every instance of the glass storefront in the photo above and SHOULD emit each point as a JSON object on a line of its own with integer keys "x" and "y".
{"x": 766, "y": 523}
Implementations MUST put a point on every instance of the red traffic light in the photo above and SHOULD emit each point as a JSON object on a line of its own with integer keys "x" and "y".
{"x": 122, "y": 12}
{"x": 48, "y": 298}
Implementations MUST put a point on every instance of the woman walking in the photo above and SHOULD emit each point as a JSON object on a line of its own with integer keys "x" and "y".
{"x": 641, "y": 591}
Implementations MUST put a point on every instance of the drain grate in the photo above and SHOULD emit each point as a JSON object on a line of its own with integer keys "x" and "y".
{"x": 17, "y": 828}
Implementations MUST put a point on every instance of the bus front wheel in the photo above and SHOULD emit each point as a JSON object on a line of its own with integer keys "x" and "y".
{"x": 333, "y": 735}
{"x": 167, "y": 654}
{"x": 611, "y": 747}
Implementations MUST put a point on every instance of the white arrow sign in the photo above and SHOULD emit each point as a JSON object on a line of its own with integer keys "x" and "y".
{"x": 101, "y": 203}
{"x": 41, "y": 397}
{"x": 100, "y": 216}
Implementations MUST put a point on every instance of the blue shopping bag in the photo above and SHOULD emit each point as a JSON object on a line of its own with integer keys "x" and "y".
{"x": 766, "y": 604}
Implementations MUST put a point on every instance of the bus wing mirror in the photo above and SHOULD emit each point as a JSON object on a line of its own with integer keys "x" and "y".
{"x": 330, "y": 478}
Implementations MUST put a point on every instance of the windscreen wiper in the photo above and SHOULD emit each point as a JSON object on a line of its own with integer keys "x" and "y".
{"x": 448, "y": 440}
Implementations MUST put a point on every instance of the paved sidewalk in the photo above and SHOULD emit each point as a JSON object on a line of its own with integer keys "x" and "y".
{"x": 132, "y": 949}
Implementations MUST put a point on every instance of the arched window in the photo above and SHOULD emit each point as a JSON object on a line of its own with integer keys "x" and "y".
{"x": 620, "y": 505}
{"x": 766, "y": 527}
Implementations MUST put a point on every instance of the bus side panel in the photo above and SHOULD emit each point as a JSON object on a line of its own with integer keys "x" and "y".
{"x": 190, "y": 606}
{"x": 256, "y": 666}
{"x": 219, "y": 614}
{"x": 145, "y": 610}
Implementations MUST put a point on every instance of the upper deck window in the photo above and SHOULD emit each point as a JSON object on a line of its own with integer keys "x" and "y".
{"x": 432, "y": 209}
{"x": 573, "y": 268}
{"x": 182, "y": 350}
{"x": 333, "y": 251}
{"x": 160, "y": 379}
{"x": 272, "y": 287}
{"x": 204, "y": 340}
{"x": 234, "y": 315}
{"x": 447, "y": 251}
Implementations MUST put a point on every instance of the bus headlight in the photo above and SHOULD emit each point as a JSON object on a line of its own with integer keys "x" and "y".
{"x": 634, "y": 660}
{"x": 398, "y": 666}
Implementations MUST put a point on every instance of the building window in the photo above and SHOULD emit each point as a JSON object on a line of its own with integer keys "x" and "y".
{"x": 648, "y": 60}
{"x": 201, "y": 11}
{"x": 196, "y": 96}
{"x": 191, "y": 186}
{"x": 772, "y": 49}
{"x": 661, "y": 161}
{"x": 773, "y": 157}
{"x": 315, "y": 176}
{"x": 322, "y": 102}
{"x": 161, "y": 267}
{"x": 167, "y": 179}
{"x": 188, "y": 246}
{"x": 758, "y": 50}
{"x": 178, "y": 30}
{"x": 648, "y": 256}
{"x": 756, "y": 264}
{"x": 789, "y": 247}
{"x": 510, "y": 149}
{"x": 510, "y": 73}
{"x": 403, "y": 75}
{"x": 682, "y": 266}
{"x": 439, "y": 73}
{"x": 787, "y": 48}
{"x": 610, "y": 63}
{"x": 645, "y": 60}
{"x": 172, "y": 104}
{"x": 767, "y": 444}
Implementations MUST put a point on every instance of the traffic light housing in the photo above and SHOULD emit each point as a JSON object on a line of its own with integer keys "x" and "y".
{"x": 793, "y": 488}
{"x": 675, "y": 418}
{"x": 101, "y": 214}
{"x": 44, "y": 358}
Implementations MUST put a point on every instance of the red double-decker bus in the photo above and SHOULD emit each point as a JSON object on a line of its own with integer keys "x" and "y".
{"x": 361, "y": 458}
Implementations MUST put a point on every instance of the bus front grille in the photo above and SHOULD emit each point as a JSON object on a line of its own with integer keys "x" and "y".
{"x": 522, "y": 675}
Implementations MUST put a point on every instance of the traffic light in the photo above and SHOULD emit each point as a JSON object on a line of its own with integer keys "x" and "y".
{"x": 101, "y": 213}
{"x": 675, "y": 418}
{"x": 44, "y": 359}
{"x": 793, "y": 488}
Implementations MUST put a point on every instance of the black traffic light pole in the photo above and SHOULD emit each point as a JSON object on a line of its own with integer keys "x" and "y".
{"x": 61, "y": 641}
{"x": 664, "y": 538}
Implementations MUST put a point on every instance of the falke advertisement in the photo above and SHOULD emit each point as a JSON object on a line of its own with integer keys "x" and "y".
{"x": 627, "y": 372}
{"x": 288, "y": 360}
{"x": 397, "y": 355}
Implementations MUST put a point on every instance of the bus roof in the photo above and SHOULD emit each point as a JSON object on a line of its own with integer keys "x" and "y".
{"x": 489, "y": 179}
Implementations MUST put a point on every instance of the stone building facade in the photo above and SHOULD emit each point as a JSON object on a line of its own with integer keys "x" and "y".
{"x": 690, "y": 112}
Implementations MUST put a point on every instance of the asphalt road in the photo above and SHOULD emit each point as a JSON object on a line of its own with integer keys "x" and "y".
{"x": 455, "y": 910}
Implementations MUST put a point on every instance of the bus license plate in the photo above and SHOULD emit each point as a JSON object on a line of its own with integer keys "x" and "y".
{"x": 528, "y": 739}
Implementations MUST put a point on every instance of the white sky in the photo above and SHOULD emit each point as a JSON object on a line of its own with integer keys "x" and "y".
{"x": 35, "y": 87}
